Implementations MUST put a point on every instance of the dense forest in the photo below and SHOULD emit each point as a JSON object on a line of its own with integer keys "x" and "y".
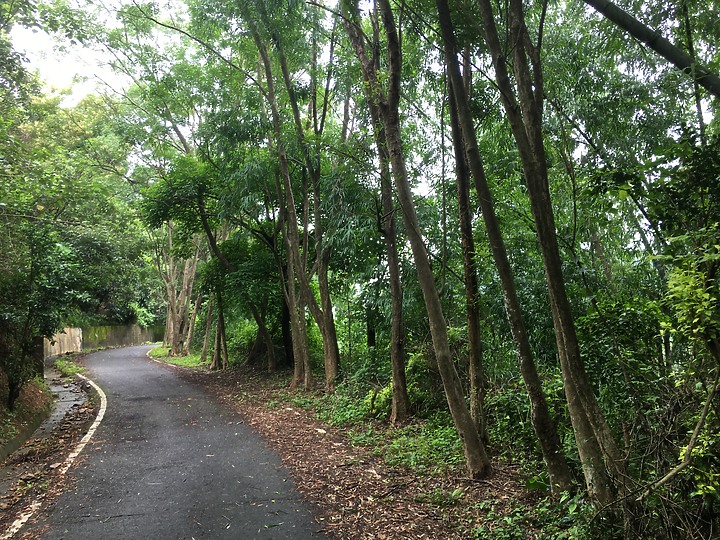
{"x": 500, "y": 216}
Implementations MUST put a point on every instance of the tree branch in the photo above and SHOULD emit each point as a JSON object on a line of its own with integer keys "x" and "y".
{"x": 675, "y": 55}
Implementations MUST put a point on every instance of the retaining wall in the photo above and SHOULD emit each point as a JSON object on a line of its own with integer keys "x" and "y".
{"x": 93, "y": 337}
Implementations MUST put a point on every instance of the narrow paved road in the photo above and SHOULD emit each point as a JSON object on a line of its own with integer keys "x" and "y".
{"x": 168, "y": 463}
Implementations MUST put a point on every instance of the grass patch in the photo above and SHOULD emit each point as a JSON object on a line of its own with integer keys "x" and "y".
{"x": 160, "y": 354}
{"x": 68, "y": 368}
{"x": 425, "y": 446}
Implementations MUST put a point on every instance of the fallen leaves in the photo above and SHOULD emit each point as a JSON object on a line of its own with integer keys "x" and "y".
{"x": 31, "y": 474}
{"x": 356, "y": 495}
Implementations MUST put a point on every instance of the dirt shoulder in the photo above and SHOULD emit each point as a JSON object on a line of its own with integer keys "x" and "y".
{"x": 32, "y": 473}
{"x": 357, "y": 495}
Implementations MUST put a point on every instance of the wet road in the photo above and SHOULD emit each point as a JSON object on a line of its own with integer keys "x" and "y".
{"x": 168, "y": 463}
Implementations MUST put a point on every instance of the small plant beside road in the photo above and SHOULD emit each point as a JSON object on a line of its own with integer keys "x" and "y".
{"x": 68, "y": 368}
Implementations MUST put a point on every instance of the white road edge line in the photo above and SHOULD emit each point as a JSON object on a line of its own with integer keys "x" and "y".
{"x": 19, "y": 522}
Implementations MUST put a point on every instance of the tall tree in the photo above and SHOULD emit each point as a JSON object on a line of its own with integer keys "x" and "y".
{"x": 523, "y": 105}
{"x": 545, "y": 430}
{"x": 476, "y": 459}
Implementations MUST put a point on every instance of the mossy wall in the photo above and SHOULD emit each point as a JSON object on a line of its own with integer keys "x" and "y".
{"x": 119, "y": 336}
{"x": 94, "y": 337}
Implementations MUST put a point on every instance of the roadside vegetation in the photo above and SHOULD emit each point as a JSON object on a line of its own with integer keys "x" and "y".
{"x": 68, "y": 367}
{"x": 161, "y": 353}
{"x": 33, "y": 404}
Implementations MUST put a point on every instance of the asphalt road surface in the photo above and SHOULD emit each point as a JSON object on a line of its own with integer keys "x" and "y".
{"x": 168, "y": 463}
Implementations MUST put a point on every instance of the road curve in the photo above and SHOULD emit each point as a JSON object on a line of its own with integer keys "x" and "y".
{"x": 169, "y": 463}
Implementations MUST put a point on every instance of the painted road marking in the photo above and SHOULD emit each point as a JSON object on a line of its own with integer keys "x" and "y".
{"x": 25, "y": 516}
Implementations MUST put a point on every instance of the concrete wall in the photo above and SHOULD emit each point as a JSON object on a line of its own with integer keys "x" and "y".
{"x": 80, "y": 339}
{"x": 119, "y": 336}
{"x": 69, "y": 340}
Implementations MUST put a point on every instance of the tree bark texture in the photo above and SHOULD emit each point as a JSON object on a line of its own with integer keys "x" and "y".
{"x": 472, "y": 294}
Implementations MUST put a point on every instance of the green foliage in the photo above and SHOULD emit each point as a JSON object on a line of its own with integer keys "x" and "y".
{"x": 633, "y": 187}
{"x": 569, "y": 518}
{"x": 427, "y": 447}
{"x": 431, "y": 446}
{"x": 162, "y": 354}
{"x": 68, "y": 368}
{"x": 695, "y": 298}
{"x": 440, "y": 497}
{"x": 422, "y": 389}
{"x": 508, "y": 411}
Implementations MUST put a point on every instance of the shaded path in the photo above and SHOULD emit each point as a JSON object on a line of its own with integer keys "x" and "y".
{"x": 168, "y": 463}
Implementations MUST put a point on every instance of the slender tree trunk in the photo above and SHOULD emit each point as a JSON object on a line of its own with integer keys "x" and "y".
{"x": 400, "y": 400}
{"x": 208, "y": 329}
{"x": 543, "y": 425}
{"x": 217, "y": 349}
{"x": 598, "y": 451}
{"x": 297, "y": 325}
{"x": 223, "y": 336}
{"x": 476, "y": 459}
{"x": 168, "y": 325}
{"x": 220, "y": 354}
{"x": 472, "y": 295}
{"x": 322, "y": 315}
{"x": 264, "y": 333}
{"x": 329, "y": 334}
{"x": 191, "y": 327}
{"x": 400, "y": 409}
{"x": 292, "y": 240}
{"x": 286, "y": 332}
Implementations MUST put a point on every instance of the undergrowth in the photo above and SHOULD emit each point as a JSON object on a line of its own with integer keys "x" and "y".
{"x": 431, "y": 446}
{"x": 160, "y": 353}
{"x": 68, "y": 368}
{"x": 35, "y": 398}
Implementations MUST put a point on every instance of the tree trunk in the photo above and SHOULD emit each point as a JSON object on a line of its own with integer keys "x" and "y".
{"x": 286, "y": 332}
{"x": 400, "y": 400}
{"x": 329, "y": 331}
{"x": 472, "y": 295}
{"x": 208, "y": 328}
{"x": 264, "y": 333}
{"x": 476, "y": 459}
{"x": 215, "y": 364}
{"x": 191, "y": 327}
{"x": 178, "y": 289}
{"x": 598, "y": 451}
{"x": 223, "y": 336}
{"x": 255, "y": 349}
{"x": 544, "y": 427}
{"x": 321, "y": 313}
{"x": 299, "y": 331}
{"x": 400, "y": 409}
{"x": 292, "y": 240}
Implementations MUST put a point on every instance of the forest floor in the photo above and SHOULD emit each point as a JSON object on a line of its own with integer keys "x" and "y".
{"x": 356, "y": 495}
{"x": 359, "y": 496}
